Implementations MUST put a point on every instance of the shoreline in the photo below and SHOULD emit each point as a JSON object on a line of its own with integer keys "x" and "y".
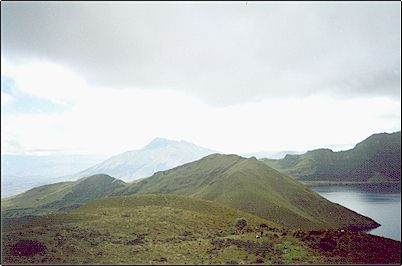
{"x": 333, "y": 183}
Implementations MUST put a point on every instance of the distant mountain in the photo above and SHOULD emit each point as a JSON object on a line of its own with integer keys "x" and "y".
{"x": 376, "y": 159}
{"x": 60, "y": 196}
{"x": 22, "y": 172}
{"x": 161, "y": 154}
{"x": 251, "y": 186}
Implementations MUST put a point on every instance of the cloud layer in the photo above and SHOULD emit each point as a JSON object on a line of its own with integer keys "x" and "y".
{"x": 109, "y": 121}
{"x": 108, "y": 77}
{"x": 222, "y": 53}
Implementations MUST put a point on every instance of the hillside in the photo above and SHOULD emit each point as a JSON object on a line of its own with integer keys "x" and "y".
{"x": 269, "y": 154}
{"x": 172, "y": 229}
{"x": 160, "y": 154}
{"x": 376, "y": 159}
{"x": 59, "y": 196}
{"x": 251, "y": 186}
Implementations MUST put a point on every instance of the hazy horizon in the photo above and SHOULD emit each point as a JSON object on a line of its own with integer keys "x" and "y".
{"x": 335, "y": 148}
{"x": 103, "y": 78}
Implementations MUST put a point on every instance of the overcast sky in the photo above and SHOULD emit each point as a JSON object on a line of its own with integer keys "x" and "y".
{"x": 103, "y": 78}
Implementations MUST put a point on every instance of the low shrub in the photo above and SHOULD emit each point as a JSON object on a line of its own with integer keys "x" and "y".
{"x": 28, "y": 248}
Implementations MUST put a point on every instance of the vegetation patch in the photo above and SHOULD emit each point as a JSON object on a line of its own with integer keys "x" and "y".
{"x": 27, "y": 248}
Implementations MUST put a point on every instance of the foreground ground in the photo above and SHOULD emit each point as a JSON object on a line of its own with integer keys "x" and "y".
{"x": 169, "y": 229}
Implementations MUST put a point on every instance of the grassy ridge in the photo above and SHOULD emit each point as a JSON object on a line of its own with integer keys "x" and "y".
{"x": 252, "y": 186}
{"x": 234, "y": 181}
{"x": 376, "y": 159}
{"x": 60, "y": 196}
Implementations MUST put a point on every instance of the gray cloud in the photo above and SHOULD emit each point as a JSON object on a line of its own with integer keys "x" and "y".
{"x": 225, "y": 53}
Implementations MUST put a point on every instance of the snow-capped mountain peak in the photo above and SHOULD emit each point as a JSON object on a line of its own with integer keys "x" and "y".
{"x": 159, "y": 155}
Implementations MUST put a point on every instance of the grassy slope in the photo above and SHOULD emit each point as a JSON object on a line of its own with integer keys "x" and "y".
{"x": 99, "y": 231}
{"x": 376, "y": 159}
{"x": 172, "y": 229}
{"x": 60, "y": 196}
{"x": 252, "y": 186}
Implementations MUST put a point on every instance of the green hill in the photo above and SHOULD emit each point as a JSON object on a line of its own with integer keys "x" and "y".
{"x": 251, "y": 186}
{"x": 172, "y": 229}
{"x": 60, "y": 196}
{"x": 376, "y": 159}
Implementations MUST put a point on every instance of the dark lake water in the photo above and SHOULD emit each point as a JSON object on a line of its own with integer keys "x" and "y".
{"x": 380, "y": 203}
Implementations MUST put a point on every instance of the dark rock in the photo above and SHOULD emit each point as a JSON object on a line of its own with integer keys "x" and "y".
{"x": 187, "y": 233}
{"x": 241, "y": 224}
{"x": 137, "y": 241}
{"x": 259, "y": 260}
{"x": 28, "y": 248}
{"x": 327, "y": 244}
{"x": 314, "y": 233}
{"x": 263, "y": 226}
